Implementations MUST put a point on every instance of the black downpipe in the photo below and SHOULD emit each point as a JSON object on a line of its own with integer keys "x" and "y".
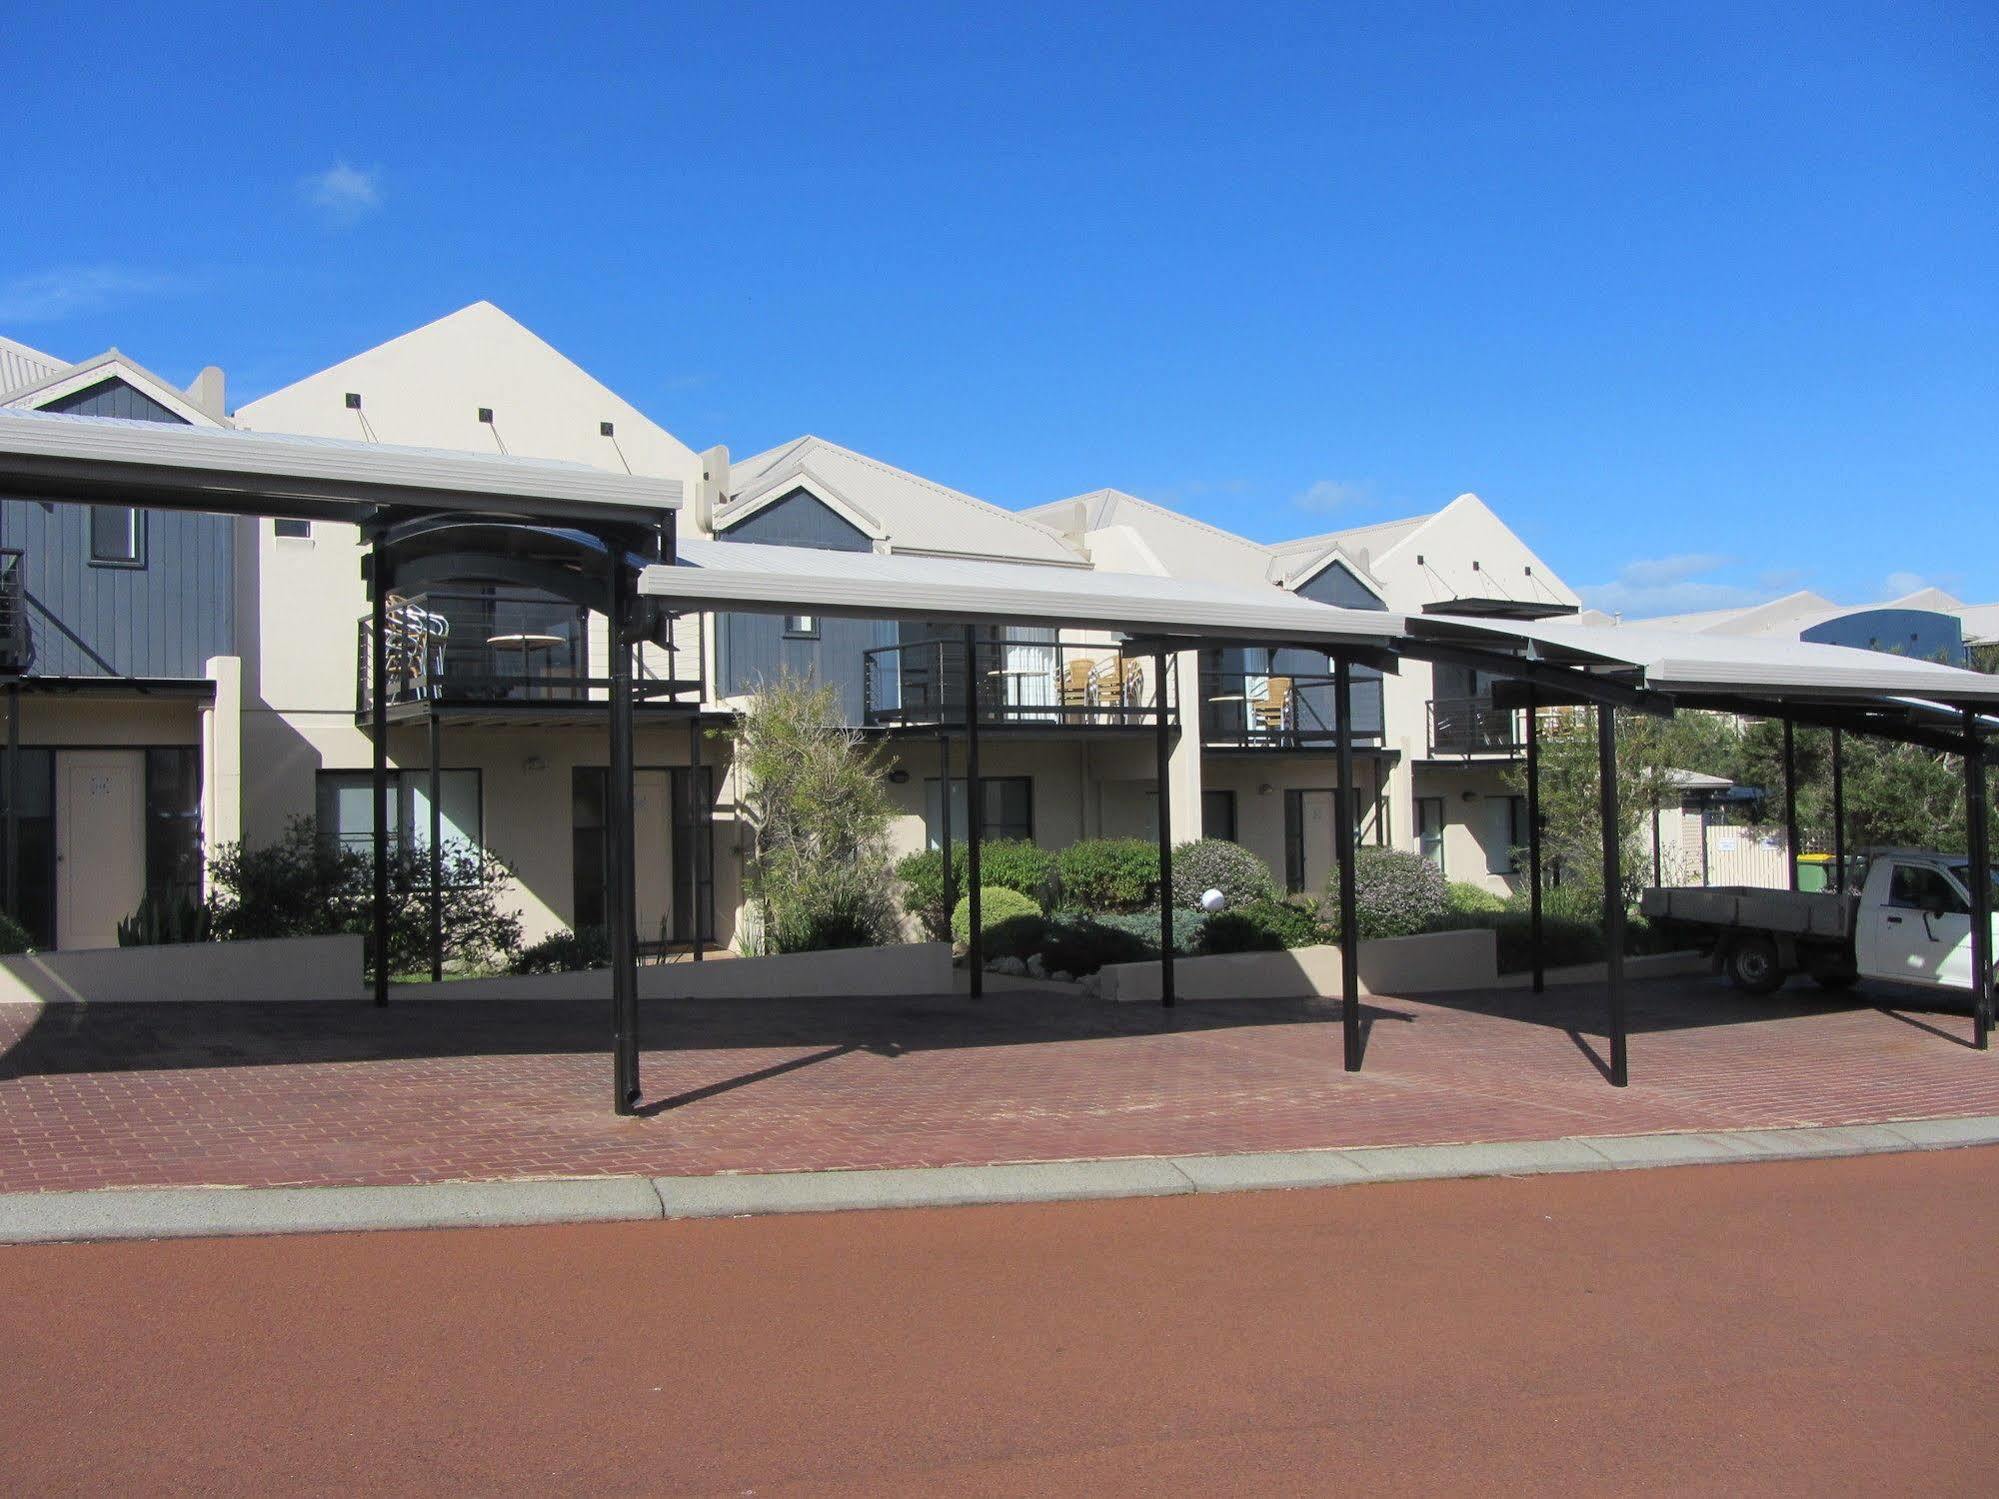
{"x": 1613, "y": 891}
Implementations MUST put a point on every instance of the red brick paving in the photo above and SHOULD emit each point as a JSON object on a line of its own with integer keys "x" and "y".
{"x": 256, "y": 1095}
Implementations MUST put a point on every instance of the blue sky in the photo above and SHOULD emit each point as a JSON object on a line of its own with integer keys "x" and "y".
{"x": 1705, "y": 300}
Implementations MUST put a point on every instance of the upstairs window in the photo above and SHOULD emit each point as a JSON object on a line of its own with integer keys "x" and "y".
{"x": 117, "y": 536}
{"x": 293, "y": 530}
{"x": 801, "y": 627}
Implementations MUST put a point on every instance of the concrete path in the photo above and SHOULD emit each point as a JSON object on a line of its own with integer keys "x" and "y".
{"x": 200, "y": 1212}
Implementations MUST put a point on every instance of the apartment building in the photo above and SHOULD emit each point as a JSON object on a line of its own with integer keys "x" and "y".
{"x": 220, "y": 689}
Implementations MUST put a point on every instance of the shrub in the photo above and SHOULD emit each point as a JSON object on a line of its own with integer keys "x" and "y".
{"x": 1398, "y": 894}
{"x": 1262, "y": 926}
{"x": 1216, "y": 864}
{"x": 565, "y": 952}
{"x": 164, "y": 918}
{"x": 1010, "y": 924}
{"x": 307, "y": 886}
{"x": 1009, "y": 863}
{"x": 816, "y": 802}
{"x": 1144, "y": 926}
{"x": 1465, "y": 898}
{"x": 1078, "y": 944}
{"x": 13, "y": 936}
{"x": 1109, "y": 874}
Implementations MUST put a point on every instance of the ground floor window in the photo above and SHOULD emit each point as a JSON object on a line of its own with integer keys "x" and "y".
{"x": 35, "y": 842}
{"x": 691, "y": 838}
{"x": 346, "y": 809}
{"x": 1430, "y": 829}
{"x": 1009, "y": 808}
{"x": 173, "y": 822}
{"x": 1218, "y": 815}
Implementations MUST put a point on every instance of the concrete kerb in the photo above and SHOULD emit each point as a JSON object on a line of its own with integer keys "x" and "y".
{"x": 204, "y": 1212}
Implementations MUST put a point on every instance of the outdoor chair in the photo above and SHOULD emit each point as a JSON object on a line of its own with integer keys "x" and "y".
{"x": 1271, "y": 713}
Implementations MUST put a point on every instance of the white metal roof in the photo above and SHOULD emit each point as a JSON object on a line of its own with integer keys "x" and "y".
{"x": 754, "y": 578}
{"x": 43, "y": 455}
{"x": 913, "y": 513}
{"x": 21, "y": 365}
{"x": 1734, "y": 665}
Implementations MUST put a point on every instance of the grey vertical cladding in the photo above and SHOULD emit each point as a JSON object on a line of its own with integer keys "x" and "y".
{"x": 160, "y": 620}
{"x": 753, "y": 648}
{"x": 1336, "y": 584}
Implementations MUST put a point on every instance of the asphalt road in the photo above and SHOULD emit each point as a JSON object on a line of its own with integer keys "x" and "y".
{"x": 1798, "y": 1328}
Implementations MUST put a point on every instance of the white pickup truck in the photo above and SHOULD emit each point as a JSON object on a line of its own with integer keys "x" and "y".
{"x": 1909, "y": 923}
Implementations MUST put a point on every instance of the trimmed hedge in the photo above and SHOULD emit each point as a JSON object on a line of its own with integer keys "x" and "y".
{"x": 1206, "y": 864}
{"x": 1466, "y": 898}
{"x": 1109, "y": 874}
{"x": 1398, "y": 894}
{"x": 564, "y": 952}
{"x": 1263, "y": 926}
{"x": 1008, "y": 921}
{"x": 1007, "y": 863}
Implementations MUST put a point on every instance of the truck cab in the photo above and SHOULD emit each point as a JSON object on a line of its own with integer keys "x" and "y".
{"x": 1914, "y": 921}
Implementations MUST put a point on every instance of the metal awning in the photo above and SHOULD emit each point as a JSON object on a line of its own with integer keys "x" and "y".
{"x": 753, "y": 578}
{"x": 228, "y": 471}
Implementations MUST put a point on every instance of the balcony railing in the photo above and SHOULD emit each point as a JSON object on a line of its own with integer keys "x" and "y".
{"x": 1473, "y": 726}
{"x": 465, "y": 649}
{"x": 1283, "y": 710}
{"x": 15, "y": 654}
{"x": 1082, "y": 684}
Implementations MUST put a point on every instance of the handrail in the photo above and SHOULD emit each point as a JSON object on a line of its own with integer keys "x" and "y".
{"x": 1078, "y": 683}
{"x": 15, "y": 652}
{"x": 1473, "y": 726}
{"x": 1283, "y": 710}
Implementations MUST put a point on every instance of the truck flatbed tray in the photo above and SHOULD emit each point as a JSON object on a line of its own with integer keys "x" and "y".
{"x": 1796, "y": 912}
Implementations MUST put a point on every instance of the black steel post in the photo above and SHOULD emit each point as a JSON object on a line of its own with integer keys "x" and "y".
{"x": 619, "y": 814}
{"x": 1613, "y": 890}
{"x": 1534, "y": 842}
{"x": 1791, "y": 848}
{"x": 1978, "y": 837}
{"x": 13, "y": 851}
{"x": 1658, "y": 865}
{"x": 1343, "y": 829}
{"x": 378, "y": 721}
{"x": 1162, "y": 758}
{"x": 1839, "y": 809}
{"x": 944, "y": 827}
{"x": 698, "y": 816}
{"x": 436, "y": 848}
{"x": 975, "y": 815}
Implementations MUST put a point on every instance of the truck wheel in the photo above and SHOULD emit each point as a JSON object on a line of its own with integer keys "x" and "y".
{"x": 1753, "y": 966}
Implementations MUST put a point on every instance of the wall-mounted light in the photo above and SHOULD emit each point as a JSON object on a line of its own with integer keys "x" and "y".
{"x": 898, "y": 777}
{"x": 1265, "y": 789}
{"x": 1470, "y": 796}
{"x": 534, "y": 765}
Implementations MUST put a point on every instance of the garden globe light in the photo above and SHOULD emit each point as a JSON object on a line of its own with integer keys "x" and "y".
{"x": 1212, "y": 901}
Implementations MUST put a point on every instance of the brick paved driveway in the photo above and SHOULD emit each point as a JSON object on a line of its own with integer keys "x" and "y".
{"x": 135, "y": 1095}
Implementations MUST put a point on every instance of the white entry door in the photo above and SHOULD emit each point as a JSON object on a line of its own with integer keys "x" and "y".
{"x": 100, "y": 843}
{"x": 652, "y": 822}
{"x": 1318, "y": 813}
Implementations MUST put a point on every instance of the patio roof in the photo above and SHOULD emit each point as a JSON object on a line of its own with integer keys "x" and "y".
{"x": 227, "y": 471}
{"x": 750, "y": 577}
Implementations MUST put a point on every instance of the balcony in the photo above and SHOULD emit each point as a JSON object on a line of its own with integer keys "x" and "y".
{"x": 510, "y": 653}
{"x": 1020, "y": 684}
{"x": 15, "y": 651}
{"x": 1283, "y": 711}
{"x": 1469, "y": 726}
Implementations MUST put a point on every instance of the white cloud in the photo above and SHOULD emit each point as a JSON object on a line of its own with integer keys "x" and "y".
{"x": 343, "y": 193}
{"x": 1679, "y": 584}
{"x": 1331, "y": 494}
{"x": 1900, "y": 583}
{"x": 51, "y": 296}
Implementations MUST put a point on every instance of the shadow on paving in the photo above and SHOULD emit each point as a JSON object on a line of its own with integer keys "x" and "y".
{"x": 146, "y": 1037}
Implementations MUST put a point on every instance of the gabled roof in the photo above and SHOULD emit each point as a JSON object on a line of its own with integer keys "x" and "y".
{"x": 112, "y": 364}
{"x": 1185, "y": 547}
{"x": 1374, "y": 541}
{"x": 426, "y": 388}
{"x": 909, "y": 512}
{"x": 21, "y": 365}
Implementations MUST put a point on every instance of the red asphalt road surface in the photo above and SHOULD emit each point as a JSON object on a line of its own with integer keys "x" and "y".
{"x": 1798, "y": 1328}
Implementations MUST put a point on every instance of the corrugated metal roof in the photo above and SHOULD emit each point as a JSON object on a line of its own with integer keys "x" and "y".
{"x": 246, "y": 472}
{"x": 773, "y": 579}
{"x": 916, "y": 513}
{"x": 1185, "y": 547}
{"x": 1734, "y": 665}
{"x": 21, "y": 365}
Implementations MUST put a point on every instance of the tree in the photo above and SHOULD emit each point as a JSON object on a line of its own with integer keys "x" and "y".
{"x": 1896, "y": 795}
{"x": 1649, "y": 750}
{"x": 816, "y": 801}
